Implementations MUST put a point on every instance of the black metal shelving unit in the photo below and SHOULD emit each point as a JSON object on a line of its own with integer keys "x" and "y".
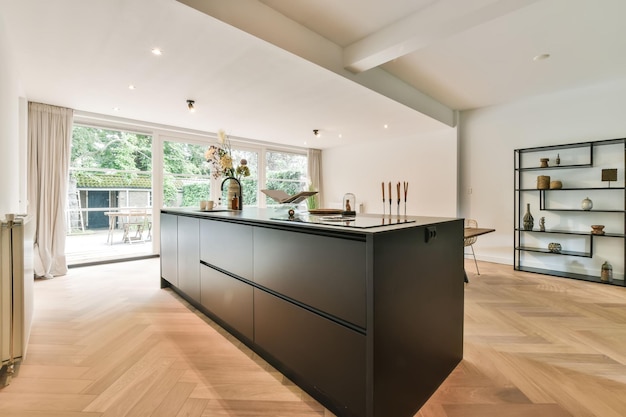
{"x": 521, "y": 187}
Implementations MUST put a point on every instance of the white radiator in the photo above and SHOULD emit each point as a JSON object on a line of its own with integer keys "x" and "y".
{"x": 16, "y": 292}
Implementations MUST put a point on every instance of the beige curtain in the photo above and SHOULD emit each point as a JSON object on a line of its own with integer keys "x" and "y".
{"x": 49, "y": 142}
{"x": 315, "y": 172}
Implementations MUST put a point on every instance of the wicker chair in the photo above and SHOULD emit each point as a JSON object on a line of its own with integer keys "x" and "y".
{"x": 469, "y": 241}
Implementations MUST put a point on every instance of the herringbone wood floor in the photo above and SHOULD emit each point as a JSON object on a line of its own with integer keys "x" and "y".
{"x": 107, "y": 341}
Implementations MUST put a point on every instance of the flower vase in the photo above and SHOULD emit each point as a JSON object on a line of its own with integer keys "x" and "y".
{"x": 233, "y": 192}
{"x": 529, "y": 221}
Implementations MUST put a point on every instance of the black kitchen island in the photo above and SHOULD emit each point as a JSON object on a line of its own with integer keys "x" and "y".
{"x": 364, "y": 314}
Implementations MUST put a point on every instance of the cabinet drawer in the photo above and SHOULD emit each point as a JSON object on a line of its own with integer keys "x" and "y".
{"x": 227, "y": 298}
{"x": 228, "y": 246}
{"x": 323, "y": 272}
{"x": 330, "y": 357}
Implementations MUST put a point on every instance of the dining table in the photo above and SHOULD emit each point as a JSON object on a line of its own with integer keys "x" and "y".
{"x": 138, "y": 217}
{"x": 474, "y": 232}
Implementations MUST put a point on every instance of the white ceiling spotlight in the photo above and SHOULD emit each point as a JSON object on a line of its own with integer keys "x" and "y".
{"x": 317, "y": 133}
{"x": 541, "y": 57}
{"x": 191, "y": 106}
{"x": 157, "y": 52}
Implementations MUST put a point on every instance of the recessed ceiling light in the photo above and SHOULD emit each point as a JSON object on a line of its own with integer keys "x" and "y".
{"x": 131, "y": 87}
{"x": 157, "y": 51}
{"x": 340, "y": 136}
{"x": 541, "y": 57}
{"x": 385, "y": 126}
{"x": 116, "y": 109}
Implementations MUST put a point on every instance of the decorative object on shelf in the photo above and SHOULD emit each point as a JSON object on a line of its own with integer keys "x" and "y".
{"x": 609, "y": 175}
{"x": 542, "y": 224}
{"x": 597, "y": 229}
{"x": 586, "y": 204}
{"x": 544, "y": 162}
{"x": 554, "y": 247}
{"x": 556, "y": 185}
{"x": 529, "y": 221}
{"x": 543, "y": 182}
{"x": 606, "y": 272}
{"x": 558, "y": 159}
{"x": 349, "y": 202}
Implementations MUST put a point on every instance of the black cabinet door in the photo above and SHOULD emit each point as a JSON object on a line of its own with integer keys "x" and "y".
{"x": 229, "y": 299}
{"x": 169, "y": 248}
{"x": 314, "y": 351}
{"x": 189, "y": 256}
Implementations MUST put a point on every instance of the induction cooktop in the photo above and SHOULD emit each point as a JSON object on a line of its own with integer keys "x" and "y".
{"x": 357, "y": 222}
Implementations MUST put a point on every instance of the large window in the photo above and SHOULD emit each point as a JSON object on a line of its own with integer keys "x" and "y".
{"x": 285, "y": 171}
{"x": 186, "y": 175}
{"x": 109, "y": 195}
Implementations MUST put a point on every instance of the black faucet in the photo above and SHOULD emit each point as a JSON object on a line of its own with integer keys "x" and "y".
{"x": 240, "y": 204}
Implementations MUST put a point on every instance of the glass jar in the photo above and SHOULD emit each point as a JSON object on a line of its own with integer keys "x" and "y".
{"x": 349, "y": 205}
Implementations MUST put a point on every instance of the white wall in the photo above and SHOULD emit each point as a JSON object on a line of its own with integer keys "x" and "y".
{"x": 489, "y": 136}
{"x": 9, "y": 128}
{"x": 427, "y": 162}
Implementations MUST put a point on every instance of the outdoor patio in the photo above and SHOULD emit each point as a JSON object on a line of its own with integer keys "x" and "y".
{"x": 91, "y": 246}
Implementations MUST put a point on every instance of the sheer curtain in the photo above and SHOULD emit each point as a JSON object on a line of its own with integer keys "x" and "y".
{"x": 315, "y": 172}
{"x": 49, "y": 144}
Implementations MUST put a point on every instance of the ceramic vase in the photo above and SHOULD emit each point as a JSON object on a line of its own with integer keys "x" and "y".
{"x": 529, "y": 221}
{"x": 586, "y": 204}
{"x": 606, "y": 272}
{"x": 232, "y": 196}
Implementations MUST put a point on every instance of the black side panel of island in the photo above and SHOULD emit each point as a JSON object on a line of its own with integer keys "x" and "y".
{"x": 418, "y": 320}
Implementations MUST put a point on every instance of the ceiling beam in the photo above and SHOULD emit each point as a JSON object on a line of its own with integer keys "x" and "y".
{"x": 436, "y": 22}
{"x": 265, "y": 23}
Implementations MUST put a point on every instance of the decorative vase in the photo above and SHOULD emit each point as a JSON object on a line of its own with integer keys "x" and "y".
{"x": 556, "y": 185}
{"x": 233, "y": 193}
{"x": 529, "y": 221}
{"x": 606, "y": 272}
{"x": 544, "y": 162}
{"x": 554, "y": 247}
{"x": 558, "y": 159}
{"x": 586, "y": 204}
{"x": 543, "y": 182}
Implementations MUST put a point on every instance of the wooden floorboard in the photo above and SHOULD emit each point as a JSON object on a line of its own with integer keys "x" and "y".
{"x": 107, "y": 341}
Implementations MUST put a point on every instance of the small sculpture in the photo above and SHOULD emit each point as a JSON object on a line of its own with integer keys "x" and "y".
{"x": 542, "y": 224}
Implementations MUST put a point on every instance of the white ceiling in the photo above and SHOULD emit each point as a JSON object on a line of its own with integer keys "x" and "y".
{"x": 274, "y": 70}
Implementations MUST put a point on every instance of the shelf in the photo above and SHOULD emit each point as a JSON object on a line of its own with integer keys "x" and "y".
{"x": 564, "y": 274}
{"x": 581, "y": 156}
{"x": 571, "y": 232}
{"x": 585, "y": 211}
{"x": 562, "y": 253}
{"x": 575, "y": 189}
{"x": 572, "y": 145}
{"x": 555, "y": 167}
